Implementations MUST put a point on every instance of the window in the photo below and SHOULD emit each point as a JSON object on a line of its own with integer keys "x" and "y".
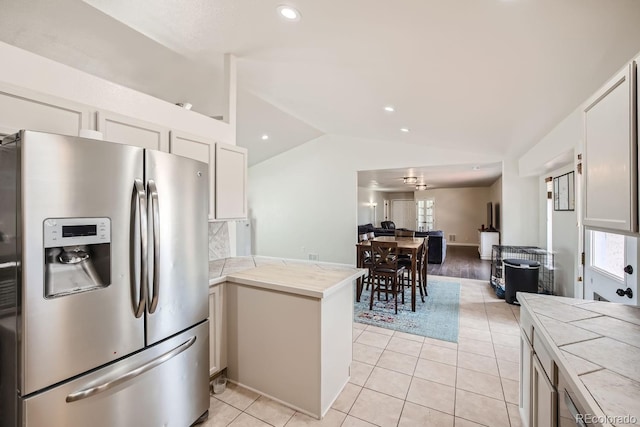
{"x": 425, "y": 215}
{"x": 607, "y": 253}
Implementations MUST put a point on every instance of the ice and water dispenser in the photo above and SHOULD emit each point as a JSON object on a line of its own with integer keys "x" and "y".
{"x": 77, "y": 255}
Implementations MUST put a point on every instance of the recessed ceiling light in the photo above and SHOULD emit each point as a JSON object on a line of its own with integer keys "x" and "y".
{"x": 289, "y": 13}
{"x": 476, "y": 168}
{"x": 421, "y": 187}
{"x": 265, "y": 137}
{"x": 405, "y": 130}
{"x": 389, "y": 108}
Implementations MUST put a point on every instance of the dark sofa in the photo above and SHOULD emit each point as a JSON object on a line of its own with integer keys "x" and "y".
{"x": 437, "y": 244}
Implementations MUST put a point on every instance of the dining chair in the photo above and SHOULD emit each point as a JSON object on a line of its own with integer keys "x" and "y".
{"x": 371, "y": 235}
{"x": 386, "y": 272}
{"x": 421, "y": 260}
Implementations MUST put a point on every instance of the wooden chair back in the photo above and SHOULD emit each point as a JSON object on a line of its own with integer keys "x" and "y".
{"x": 404, "y": 233}
{"x": 384, "y": 255}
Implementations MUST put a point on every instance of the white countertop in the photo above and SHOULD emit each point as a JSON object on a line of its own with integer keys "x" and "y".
{"x": 313, "y": 279}
{"x": 597, "y": 344}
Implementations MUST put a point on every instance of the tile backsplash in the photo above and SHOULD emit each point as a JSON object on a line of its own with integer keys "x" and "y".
{"x": 219, "y": 243}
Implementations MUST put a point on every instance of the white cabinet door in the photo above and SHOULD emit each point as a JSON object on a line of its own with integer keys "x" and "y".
{"x": 21, "y": 109}
{"x": 126, "y": 130}
{"x": 526, "y": 354}
{"x": 610, "y": 159}
{"x": 487, "y": 240}
{"x": 197, "y": 148}
{"x": 217, "y": 330}
{"x": 231, "y": 182}
{"x": 543, "y": 403}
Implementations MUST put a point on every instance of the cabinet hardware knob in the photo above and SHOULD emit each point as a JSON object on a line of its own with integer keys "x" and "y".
{"x": 628, "y": 269}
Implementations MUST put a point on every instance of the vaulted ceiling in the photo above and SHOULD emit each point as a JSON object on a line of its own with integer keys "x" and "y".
{"x": 476, "y": 75}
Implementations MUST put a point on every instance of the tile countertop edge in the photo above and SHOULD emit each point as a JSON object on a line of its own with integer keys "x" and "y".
{"x": 586, "y": 399}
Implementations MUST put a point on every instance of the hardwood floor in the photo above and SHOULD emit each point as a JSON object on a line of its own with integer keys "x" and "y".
{"x": 463, "y": 262}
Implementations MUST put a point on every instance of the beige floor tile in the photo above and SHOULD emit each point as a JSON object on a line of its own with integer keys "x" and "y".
{"x": 407, "y": 336}
{"x": 405, "y": 346}
{"x": 332, "y": 419}
{"x": 246, "y": 420}
{"x": 220, "y": 413}
{"x": 478, "y": 363}
{"x": 373, "y": 339}
{"x": 439, "y": 354}
{"x": 514, "y": 415}
{"x": 461, "y": 422}
{"x": 433, "y": 395}
{"x": 436, "y": 372}
{"x": 366, "y": 353}
{"x": 379, "y": 330}
{"x": 477, "y": 382}
{"x": 476, "y": 334}
{"x": 509, "y": 370}
{"x": 509, "y": 354}
{"x": 356, "y": 422}
{"x": 377, "y": 408}
{"x": 511, "y": 391}
{"x": 360, "y": 326}
{"x": 270, "y": 411}
{"x": 441, "y": 343}
{"x": 398, "y": 362}
{"x": 360, "y": 372}
{"x": 508, "y": 328}
{"x": 481, "y": 409}
{"x": 237, "y": 396}
{"x": 389, "y": 382}
{"x": 474, "y": 346}
{"x": 506, "y": 340}
{"x": 345, "y": 400}
{"x": 416, "y": 415}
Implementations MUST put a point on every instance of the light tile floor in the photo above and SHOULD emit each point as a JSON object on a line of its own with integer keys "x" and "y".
{"x": 399, "y": 379}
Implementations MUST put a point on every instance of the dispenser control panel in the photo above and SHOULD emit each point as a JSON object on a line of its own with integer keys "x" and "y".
{"x": 76, "y": 231}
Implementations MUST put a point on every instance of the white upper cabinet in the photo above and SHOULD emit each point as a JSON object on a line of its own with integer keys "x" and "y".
{"x": 610, "y": 155}
{"x": 130, "y": 131}
{"x": 21, "y": 109}
{"x": 197, "y": 148}
{"x": 231, "y": 182}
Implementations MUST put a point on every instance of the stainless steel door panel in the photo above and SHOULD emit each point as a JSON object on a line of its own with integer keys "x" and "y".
{"x": 73, "y": 177}
{"x": 175, "y": 392}
{"x": 177, "y": 188}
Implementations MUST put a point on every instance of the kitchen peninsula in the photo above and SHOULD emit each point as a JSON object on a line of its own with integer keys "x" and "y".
{"x": 288, "y": 328}
{"x": 579, "y": 358}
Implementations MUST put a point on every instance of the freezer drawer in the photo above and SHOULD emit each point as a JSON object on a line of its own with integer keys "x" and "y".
{"x": 164, "y": 385}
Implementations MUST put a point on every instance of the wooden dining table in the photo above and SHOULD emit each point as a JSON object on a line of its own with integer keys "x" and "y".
{"x": 406, "y": 245}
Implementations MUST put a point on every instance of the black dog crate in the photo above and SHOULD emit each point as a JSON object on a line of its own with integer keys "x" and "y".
{"x": 545, "y": 274}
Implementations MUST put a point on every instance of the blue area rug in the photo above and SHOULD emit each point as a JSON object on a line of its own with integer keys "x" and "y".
{"x": 437, "y": 317}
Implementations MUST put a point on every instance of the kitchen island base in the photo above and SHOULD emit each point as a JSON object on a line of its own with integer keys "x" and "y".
{"x": 293, "y": 348}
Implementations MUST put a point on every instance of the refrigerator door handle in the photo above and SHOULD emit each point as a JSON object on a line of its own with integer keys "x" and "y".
{"x": 141, "y": 202}
{"x": 111, "y": 383}
{"x": 155, "y": 225}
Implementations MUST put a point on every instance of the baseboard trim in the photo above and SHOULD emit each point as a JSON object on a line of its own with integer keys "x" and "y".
{"x": 462, "y": 244}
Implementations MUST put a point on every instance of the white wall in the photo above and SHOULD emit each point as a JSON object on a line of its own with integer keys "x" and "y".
{"x": 519, "y": 222}
{"x": 459, "y": 211}
{"x": 565, "y": 243}
{"x": 366, "y": 212}
{"x": 305, "y": 200}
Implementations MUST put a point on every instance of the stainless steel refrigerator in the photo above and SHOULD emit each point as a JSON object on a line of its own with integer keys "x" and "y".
{"x": 104, "y": 284}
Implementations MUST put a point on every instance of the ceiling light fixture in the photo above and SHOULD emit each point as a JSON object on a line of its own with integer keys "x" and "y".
{"x": 410, "y": 180}
{"x": 389, "y": 109}
{"x": 421, "y": 187}
{"x": 265, "y": 137}
{"x": 476, "y": 168}
{"x": 289, "y": 13}
{"x": 184, "y": 105}
{"x": 405, "y": 130}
